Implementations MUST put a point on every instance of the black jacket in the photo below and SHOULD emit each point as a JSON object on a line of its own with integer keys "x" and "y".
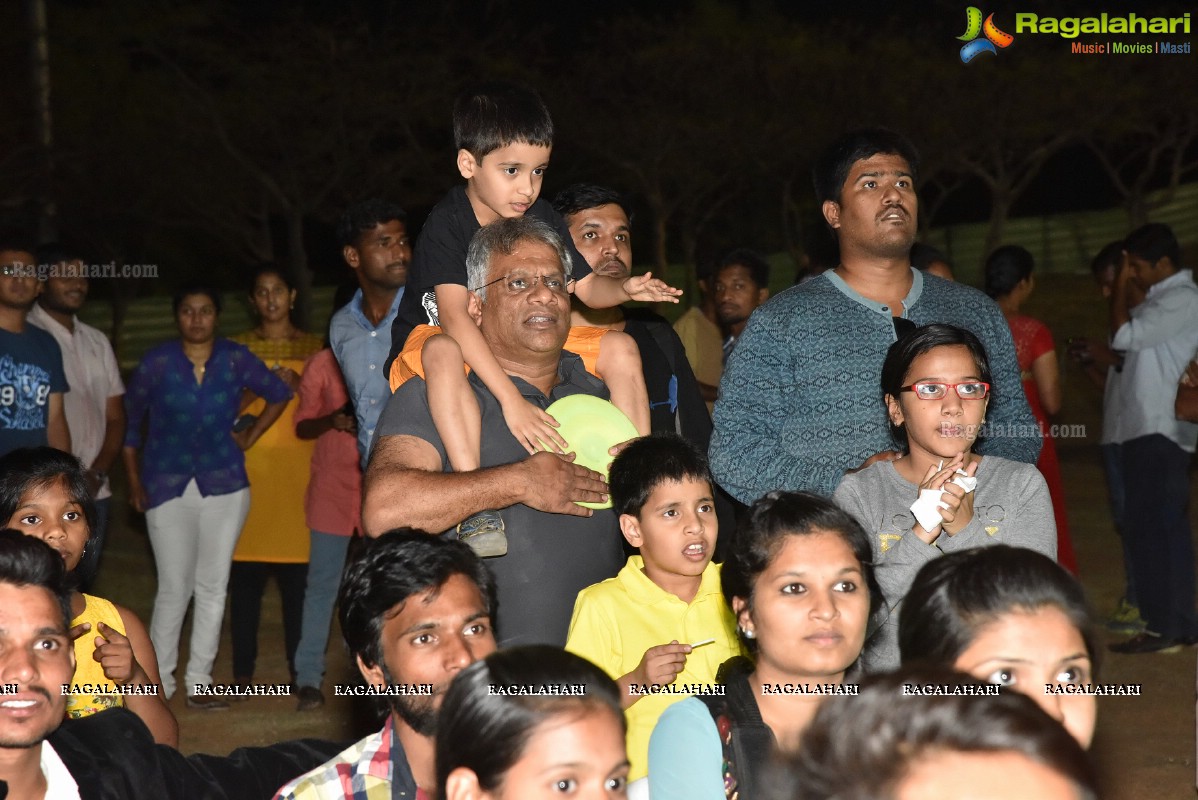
{"x": 112, "y": 756}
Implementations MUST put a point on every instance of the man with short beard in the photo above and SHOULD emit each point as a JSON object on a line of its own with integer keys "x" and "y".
{"x": 601, "y": 228}
{"x": 414, "y": 610}
{"x": 374, "y": 244}
{"x": 32, "y": 381}
{"x": 94, "y": 408}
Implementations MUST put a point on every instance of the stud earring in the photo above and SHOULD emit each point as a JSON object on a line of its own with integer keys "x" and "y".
{"x": 748, "y": 633}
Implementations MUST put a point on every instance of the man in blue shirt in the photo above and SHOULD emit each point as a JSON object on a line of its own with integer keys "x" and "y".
{"x": 375, "y": 245}
{"x": 32, "y": 380}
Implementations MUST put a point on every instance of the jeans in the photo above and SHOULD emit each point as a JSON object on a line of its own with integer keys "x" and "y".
{"x": 247, "y": 582}
{"x": 193, "y": 538}
{"x": 1112, "y": 462}
{"x": 325, "y": 564}
{"x": 1156, "y": 490}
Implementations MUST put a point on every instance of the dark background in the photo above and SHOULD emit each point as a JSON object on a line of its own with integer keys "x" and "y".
{"x": 210, "y": 135}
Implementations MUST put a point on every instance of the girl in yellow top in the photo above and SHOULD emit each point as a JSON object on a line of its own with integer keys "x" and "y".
{"x": 43, "y": 493}
{"x": 274, "y": 540}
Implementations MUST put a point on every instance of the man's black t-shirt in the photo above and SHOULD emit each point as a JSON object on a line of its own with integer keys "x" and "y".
{"x": 676, "y": 404}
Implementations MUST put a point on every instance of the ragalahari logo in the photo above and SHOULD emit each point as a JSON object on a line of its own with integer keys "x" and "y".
{"x": 973, "y": 27}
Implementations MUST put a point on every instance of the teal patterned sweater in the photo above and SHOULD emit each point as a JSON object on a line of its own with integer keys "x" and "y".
{"x": 801, "y": 403}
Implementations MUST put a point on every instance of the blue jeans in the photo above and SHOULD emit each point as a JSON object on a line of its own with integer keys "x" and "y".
{"x": 1112, "y": 462}
{"x": 1156, "y": 483}
{"x": 325, "y": 563}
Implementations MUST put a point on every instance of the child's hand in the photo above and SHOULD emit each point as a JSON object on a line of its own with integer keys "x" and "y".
{"x": 115, "y": 654}
{"x": 648, "y": 289}
{"x": 959, "y": 502}
{"x": 936, "y": 479}
{"x": 533, "y": 428}
{"x": 661, "y": 664}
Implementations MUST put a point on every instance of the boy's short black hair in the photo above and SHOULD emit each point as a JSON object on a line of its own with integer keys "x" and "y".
{"x": 832, "y": 168}
{"x": 364, "y": 216}
{"x": 649, "y": 462}
{"x": 28, "y": 561}
{"x": 754, "y": 262}
{"x": 1110, "y": 256}
{"x": 1152, "y": 242}
{"x": 581, "y": 196}
{"x": 496, "y": 114}
{"x": 390, "y": 569}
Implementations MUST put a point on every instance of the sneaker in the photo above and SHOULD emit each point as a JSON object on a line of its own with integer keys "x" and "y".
{"x": 1148, "y": 642}
{"x": 310, "y": 698}
{"x": 484, "y": 534}
{"x": 1125, "y": 619}
{"x": 206, "y": 703}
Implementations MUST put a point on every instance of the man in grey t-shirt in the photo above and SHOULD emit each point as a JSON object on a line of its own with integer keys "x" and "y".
{"x": 555, "y": 547}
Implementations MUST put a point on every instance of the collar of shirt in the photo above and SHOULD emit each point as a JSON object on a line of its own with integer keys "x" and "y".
{"x": 1181, "y": 276}
{"x": 60, "y": 784}
{"x": 910, "y": 300}
{"x": 40, "y": 317}
{"x": 355, "y": 310}
{"x": 570, "y": 371}
{"x": 642, "y": 589}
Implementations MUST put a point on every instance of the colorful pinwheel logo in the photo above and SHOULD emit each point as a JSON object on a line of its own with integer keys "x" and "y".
{"x": 973, "y": 27}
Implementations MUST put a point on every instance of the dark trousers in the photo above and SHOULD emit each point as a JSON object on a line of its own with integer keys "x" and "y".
{"x": 1156, "y": 484}
{"x": 1112, "y": 463}
{"x": 247, "y": 582}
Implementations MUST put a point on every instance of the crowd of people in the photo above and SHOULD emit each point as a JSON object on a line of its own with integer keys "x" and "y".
{"x": 878, "y": 550}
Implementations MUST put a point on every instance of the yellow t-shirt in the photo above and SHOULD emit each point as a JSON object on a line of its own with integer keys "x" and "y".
{"x": 617, "y": 620}
{"x": 87, "y": 669}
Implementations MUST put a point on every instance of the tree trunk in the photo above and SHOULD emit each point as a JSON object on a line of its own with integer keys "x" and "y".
{"x": 1137, "y": 208}
{"x": 297, "y": 269}
{"x": 39, "y": 56}
{"x": 690, "y": 245}
{"x": 1000, "y": 207}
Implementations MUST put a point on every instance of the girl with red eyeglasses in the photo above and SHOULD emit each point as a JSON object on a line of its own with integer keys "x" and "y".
{"x": 940, "y": 496}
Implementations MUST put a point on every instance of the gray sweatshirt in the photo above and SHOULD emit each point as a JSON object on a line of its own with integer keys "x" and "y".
{"x": 1011, "y": 506}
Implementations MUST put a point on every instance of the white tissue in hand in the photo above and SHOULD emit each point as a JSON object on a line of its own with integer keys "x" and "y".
{"x": 965, "y": 481}
{"x": 927, "y": 508}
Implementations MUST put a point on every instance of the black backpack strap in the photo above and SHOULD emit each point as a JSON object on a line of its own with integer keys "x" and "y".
{"x": 746, "y": 741}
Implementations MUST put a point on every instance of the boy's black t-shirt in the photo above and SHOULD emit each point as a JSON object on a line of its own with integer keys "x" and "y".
{"x": 441, "y": 258}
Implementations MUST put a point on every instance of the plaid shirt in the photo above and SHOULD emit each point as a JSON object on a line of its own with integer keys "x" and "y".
{"x": 364, "y": 771}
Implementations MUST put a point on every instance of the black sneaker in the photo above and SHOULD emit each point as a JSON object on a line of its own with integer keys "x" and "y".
{"x": 206, "y": 703}
{"x": 310, "y": 698}
{"x": 484, "y": 533}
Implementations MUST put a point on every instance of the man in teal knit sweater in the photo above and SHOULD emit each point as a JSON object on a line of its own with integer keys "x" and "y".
{"x": 800, "y": 402}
